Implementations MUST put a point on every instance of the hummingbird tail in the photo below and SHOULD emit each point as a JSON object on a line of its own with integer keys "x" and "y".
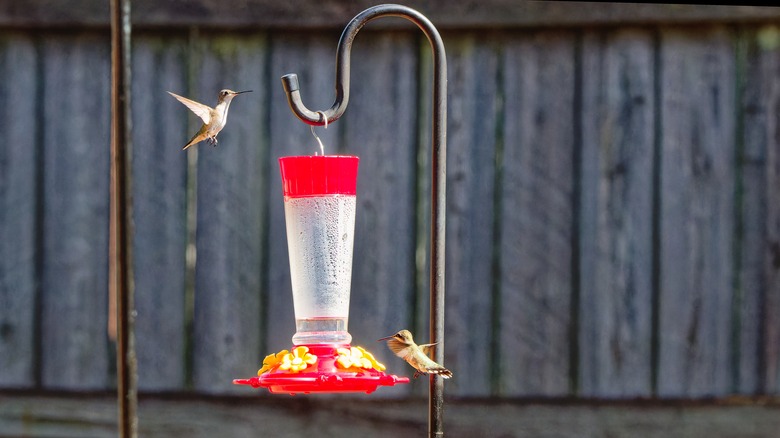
{"x": 444, "y": 372}
{"x": 196, "y": 139}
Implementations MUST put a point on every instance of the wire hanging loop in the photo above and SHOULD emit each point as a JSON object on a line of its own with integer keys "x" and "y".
{"x": 316, "y": 137}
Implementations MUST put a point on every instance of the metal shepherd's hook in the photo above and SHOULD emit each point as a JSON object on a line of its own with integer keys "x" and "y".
{"x": 438, "y": 163}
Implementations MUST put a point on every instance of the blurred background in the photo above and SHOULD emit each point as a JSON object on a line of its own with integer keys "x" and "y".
{"x": 613, "y": 240}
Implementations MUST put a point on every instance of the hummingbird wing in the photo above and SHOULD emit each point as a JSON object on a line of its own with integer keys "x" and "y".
{"x": 399, "y": 348}
{"x": 202, "y": 111}
{"x": 427, "y": 349}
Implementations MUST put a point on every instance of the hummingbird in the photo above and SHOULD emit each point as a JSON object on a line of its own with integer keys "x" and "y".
{"x": 214, "y": 119}
{"x": 402, "y": 344}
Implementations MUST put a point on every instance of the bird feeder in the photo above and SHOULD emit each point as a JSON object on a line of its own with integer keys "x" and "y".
{"x": 319, "y": 211}
{"x": 322, "y": 359}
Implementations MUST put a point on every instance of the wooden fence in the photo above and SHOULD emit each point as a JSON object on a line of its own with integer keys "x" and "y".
{"x": 613, "y": 210}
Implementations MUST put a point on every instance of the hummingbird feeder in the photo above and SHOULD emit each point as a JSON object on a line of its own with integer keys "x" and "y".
{"x": 319, "y": 209}
{"x": 319, "y": 201}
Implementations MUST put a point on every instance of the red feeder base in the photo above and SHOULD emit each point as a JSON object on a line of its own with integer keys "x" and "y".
{"x": 326, "y": 377}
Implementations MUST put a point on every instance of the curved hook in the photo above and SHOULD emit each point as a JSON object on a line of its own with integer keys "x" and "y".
{"x": 292, "y": 86}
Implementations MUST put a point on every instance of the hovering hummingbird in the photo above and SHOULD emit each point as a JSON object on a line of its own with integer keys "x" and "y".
{"x": 214, "y": 119}
{"x": 402, "y": 344}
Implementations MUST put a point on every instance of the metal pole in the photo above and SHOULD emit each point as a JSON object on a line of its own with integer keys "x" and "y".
{"x": 438, "y": 163}
{"x": 121, "y": 202}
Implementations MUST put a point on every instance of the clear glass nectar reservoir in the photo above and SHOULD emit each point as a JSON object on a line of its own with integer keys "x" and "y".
{"x": 319, "y": 204}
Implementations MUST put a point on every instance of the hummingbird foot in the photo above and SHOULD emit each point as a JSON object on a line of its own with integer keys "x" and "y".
{"x": 417, "y": 374}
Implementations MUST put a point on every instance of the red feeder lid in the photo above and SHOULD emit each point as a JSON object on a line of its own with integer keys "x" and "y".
{"x": 324, "y": 377}
{"x": 314, "y": 175}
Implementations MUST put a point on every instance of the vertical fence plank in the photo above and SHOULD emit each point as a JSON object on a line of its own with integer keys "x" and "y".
{"x": 380, "y": 127}
{"x": 473, "y": 118}
{"x": 75, "y": 229}
{"x": 697, "y": 207}
{"x": 230, "y": 191}
{"x": 536, "y": 214}
{"x": 616, "y": 214}
{"x": 312, "y": 57}
{"x": 772, "y": 255}
{"x": 159, "y": 197}
{"x": 18, "y": 210}
{"x": 761, "y": 206}
{"x": 753, "y": 199}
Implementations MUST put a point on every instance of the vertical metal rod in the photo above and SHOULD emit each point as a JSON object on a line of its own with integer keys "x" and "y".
{"x": 438, "y": 164}
{"x": 121, "y": 203}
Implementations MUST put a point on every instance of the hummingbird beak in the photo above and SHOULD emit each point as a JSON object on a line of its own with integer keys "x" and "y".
{"x": 242, "y": 92}
{"x": 386, "y": 338}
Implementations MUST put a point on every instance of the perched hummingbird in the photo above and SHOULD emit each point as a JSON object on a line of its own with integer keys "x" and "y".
{"x": 402, "y": 344}
{"x": 214, "y": 119}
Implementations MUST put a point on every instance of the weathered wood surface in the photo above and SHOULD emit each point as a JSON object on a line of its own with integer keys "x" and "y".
{"x": 74, "y": 266}
{"x": 754, "y": 143}
{"x": 282, "y": 416}
{"x": 19, "y": 186}
{"x": 536, "y": 225}
{"x": 160, "y": 219}
{"x": 696, "y": 212}
{"x": 616, "y": 214}
{"x": 759, "y": 284}
{"x": 613, "y": 220}
{"x": 771, "y": 330}
{"x": 335, "y": 13}
{"x": 473, "y": 121}
{"x": 230, "y": 187}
